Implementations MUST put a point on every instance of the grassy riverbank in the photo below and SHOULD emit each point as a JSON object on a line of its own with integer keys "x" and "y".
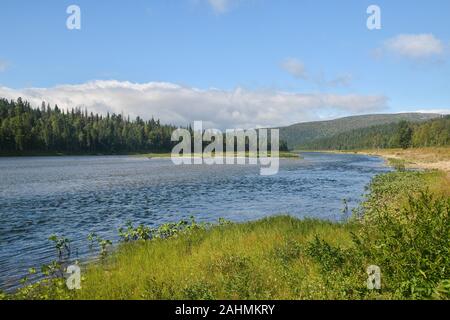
{"x": 282, "y": 154}
{"x": 403, "y": 227}
{"x": 424, "y": 158}
{"x": 155, "y": 155}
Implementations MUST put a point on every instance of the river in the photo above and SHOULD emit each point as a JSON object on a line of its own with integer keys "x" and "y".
{"x": 73, "y": 196}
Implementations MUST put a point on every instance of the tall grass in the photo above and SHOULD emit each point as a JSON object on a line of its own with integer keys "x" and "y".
{"x": 259, "y": 260}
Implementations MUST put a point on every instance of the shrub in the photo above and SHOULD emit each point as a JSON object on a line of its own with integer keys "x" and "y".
{"x": 411, "y": 245}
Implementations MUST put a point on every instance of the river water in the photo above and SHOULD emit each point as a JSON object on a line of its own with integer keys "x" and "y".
{"x": 73, "y": 196}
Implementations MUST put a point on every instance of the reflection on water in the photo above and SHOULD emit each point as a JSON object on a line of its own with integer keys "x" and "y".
{"x": 73, "y": 196}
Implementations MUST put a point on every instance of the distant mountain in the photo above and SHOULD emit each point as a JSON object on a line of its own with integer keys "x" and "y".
{"x": 302, "y": 134}
{"x": 403, "y": 134}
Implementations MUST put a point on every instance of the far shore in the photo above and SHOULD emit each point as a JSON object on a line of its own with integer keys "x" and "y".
{"x": 437, "y": 158}
{"x": 282, "y": 154}
{"x": 156, "y": 155}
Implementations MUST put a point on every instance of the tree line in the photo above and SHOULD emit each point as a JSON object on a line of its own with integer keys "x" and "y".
{"x": 46, "y": 129}
{"x": 404, "y": 134}
{"x": 28, "y": 130}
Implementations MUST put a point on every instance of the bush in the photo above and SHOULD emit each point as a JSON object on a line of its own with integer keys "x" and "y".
{"x": 411, "y": 245}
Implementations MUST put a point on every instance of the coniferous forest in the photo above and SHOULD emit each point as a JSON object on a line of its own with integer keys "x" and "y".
{"x": 46, "y": 130}
{"x": 24, "y": 129}
{"x": 404, "y": 134}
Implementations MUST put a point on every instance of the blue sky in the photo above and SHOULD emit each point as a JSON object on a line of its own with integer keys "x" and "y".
{"x": 232, "y": 62}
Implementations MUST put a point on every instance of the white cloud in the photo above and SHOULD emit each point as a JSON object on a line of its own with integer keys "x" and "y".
{"x": 224, "y": 6}
{"x": 342, "y": 80}
{"x": 294, "y": 67}
{"x": 220, "y": 6}
{"x": 3, "y": 65}
{"x": 239, "y": 108}
{"x": 439, "y": 111}
{"x": 415, "y": 46}
{"x": 297, "y": 69}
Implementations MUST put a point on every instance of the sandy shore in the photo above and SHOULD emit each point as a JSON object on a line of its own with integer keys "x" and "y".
{"x": 424, "y": 158}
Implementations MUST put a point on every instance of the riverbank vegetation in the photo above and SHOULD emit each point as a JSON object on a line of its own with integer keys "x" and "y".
{"x": 425, "y": 158}
{"x": 402, "y": 227}
{"x": 430, "y": 158}
{"x": 281, "y": 154}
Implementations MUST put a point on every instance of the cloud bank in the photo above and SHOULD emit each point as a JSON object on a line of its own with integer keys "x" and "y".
{"x": 179, "y": 105}
{"x": 415, "y": 46}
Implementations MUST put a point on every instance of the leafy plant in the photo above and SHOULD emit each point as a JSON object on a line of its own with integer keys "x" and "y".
{"x": 411, "y": 244}
{"x": 102, "y": 243}
{"x": 328, "y": 257}
{"x": 398, "y": 164}
{"x": 130, "y": 233}
{"x": 62, "y": 245}
{"x": 165, "y": 231}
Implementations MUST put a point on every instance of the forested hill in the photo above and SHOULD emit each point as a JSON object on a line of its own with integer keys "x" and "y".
{"x": 24, "y": 129}
{"x": 404, "y": 134}
{"x": 302, "y": 134}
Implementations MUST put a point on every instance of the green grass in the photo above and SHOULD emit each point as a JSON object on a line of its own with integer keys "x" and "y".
{"x": 257, "y": 260}
{"x": 155, "y": 155}
{"x": 282, "y": 154}
{"x": 403, "y": 227}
